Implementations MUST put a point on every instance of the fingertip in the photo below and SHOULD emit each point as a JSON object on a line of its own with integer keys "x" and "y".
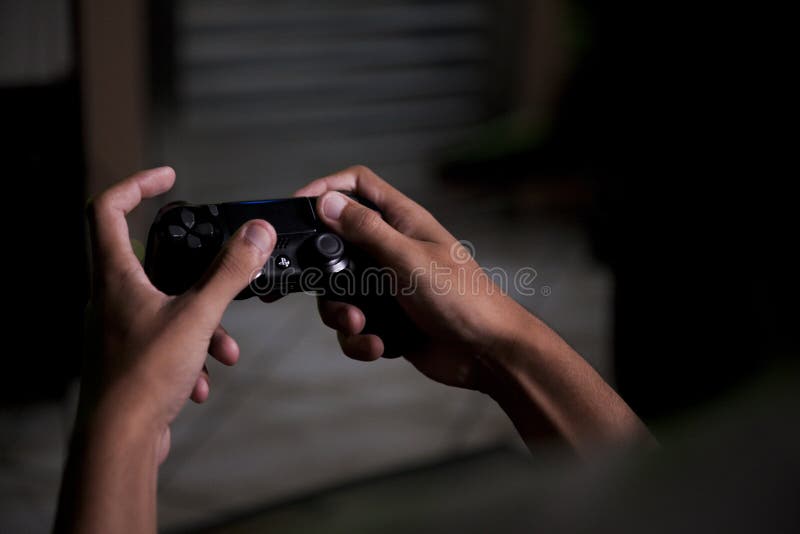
{"x": 157, "y": 180}
{"x": 231, "y": 351}
{"x": 376, "y": 347}
{"x": 223, "y": 347}
{"x": 353, "y": 321}
{"x": 365, "y": 348}
{"x": 341, "y": 316}
{"x": 201, "y": 390}
{"x": 260, "y": 234}
{"x": 165, "y": 170}
{"x": 269, "y": 228}
{"x": 332, "y": 204}
{"x": 238, "y": 264}
{"x": 225, "y": 350}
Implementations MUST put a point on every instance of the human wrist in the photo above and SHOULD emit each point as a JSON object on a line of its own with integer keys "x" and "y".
{"x": 512, "y": 342}
{"x": 111, "y": 474}
{"x": 522, "y": 349}
{"x": 118, "y": 410}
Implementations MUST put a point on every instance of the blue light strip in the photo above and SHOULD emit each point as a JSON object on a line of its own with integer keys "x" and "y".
{"x": 258, "y": 201}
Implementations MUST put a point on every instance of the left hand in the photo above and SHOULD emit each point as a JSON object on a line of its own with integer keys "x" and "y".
{"x": 148, "y": 352}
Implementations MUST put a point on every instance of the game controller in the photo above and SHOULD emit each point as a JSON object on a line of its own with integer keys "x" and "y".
{"x": 185, "y": 238}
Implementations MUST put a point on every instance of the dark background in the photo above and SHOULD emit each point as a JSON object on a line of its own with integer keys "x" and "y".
{"x": 639, "y": 124}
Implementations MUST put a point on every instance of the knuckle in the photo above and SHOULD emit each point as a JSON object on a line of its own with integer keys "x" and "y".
{"x": 405, "y": 218}
{"x": 368, "y": 221}
{"x": 361, "y": 170}
{"x": 98, "y": 205}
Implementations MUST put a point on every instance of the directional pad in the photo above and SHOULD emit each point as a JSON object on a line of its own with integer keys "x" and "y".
{"x": 193, "y": 241}
{"x": 186, "y": 228}
{"x": 187, "y": 218}
{"x": 176, "y": 232}
{"x": 204, "y": 229}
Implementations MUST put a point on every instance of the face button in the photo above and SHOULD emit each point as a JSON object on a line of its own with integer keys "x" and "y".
{"x": 193, "y": 241}
{"x": 175, "y": 231}
{"x": 213, "y": 210}
{"x": 283, "y": 261}
{"x": 187, "y": 218}
{"x": 204, "y": 229}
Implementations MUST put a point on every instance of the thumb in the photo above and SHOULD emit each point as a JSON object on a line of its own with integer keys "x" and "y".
{"x": 366, "y": 229}
{"x": 234, "y": 267}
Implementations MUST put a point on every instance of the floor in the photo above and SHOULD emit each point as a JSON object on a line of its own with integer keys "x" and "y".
{"x": 477, "y": 492}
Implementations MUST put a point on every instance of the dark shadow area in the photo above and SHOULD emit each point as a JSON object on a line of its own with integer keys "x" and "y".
{"x": 46, "y": 253}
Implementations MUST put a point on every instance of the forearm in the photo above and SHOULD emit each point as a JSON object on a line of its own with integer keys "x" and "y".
{"x": 110, "y": 478}
{"x": 547, "y": 388}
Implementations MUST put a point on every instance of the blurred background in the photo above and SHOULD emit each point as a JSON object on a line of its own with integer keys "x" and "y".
{"x": 578, "y": 139}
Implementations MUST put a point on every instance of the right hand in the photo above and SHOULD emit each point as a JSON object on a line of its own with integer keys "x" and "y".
{"x": 463, "y": 323}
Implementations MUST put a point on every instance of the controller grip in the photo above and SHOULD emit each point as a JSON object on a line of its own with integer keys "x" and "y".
{"x": 386, "y": 319}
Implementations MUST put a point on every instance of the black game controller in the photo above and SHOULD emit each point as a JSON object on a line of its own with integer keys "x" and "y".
{"x": 185, "y": 238}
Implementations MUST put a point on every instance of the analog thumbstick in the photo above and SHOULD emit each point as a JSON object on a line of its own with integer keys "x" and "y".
{"x": 329, "y": 250}
{"x": 329, "y": 246}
